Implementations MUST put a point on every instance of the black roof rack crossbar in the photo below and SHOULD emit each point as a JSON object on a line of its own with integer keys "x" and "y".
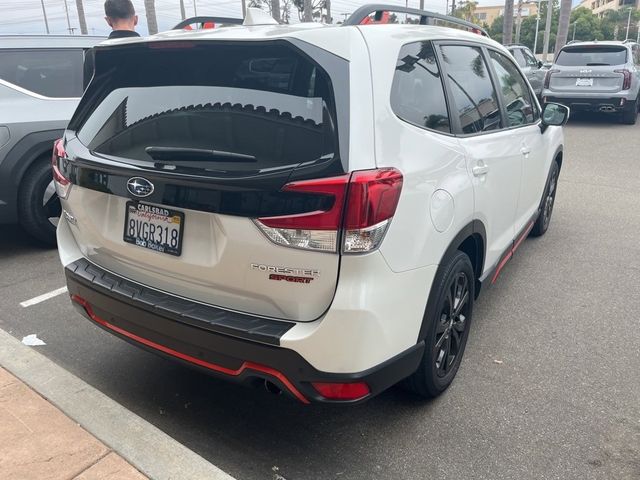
{"x": 363, "y": 12}
{"x": 207, "y": 19}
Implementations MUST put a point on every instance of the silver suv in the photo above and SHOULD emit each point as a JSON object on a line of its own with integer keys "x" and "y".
{"x": 596, "y": 76}
{"x": 41, "y": 82}
{"x": 529, "y": 65}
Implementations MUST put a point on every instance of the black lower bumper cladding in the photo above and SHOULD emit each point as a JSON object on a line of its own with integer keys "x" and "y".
{"x": 229, "y": 345}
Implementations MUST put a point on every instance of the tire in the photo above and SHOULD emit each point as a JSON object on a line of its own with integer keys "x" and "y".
{"x": 38, "y": 205}
{"x": 547, "y": 203}
{"x": 629, "y": 117}
{"x": 447, "y": 331}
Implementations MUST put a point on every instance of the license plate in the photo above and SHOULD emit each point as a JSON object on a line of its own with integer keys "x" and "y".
{"x": 155, "y": 228}
{"x": 584, "y": 82}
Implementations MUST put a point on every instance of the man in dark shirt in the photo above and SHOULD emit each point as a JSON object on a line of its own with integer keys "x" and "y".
{"x": 121, "y": 17}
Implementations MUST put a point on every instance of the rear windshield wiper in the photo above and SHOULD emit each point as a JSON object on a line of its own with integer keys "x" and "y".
{"x": 181, "y": 154}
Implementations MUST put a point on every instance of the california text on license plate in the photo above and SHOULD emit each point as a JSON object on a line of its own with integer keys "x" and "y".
{"x": 155, "y": 228}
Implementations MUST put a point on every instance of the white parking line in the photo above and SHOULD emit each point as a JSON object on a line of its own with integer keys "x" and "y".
{"x": 43, "y": 297}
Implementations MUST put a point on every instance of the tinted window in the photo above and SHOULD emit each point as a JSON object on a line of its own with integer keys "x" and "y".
{"x": 592, "y": 56}
{"x": 417, "y": 95}
{"x": 223, "y": 107}
{"x": 516, "y": 94}
{"x": 473, "y": 93}
{"x": 53, "y": 73}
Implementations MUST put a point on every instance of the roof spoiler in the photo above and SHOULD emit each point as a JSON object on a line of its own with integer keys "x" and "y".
{"x": 207, "y": 19}
{"x": 426, "y": 17}
{"x": 254, "y": 16}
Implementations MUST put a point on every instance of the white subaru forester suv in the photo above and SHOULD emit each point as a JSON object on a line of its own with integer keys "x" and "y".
{"x": 312, "y": 208}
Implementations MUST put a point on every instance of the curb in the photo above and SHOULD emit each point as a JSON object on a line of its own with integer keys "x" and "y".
{"x": 146, "y": 447}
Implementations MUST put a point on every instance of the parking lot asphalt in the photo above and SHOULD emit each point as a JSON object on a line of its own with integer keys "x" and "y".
{"x": 549, "y": 387}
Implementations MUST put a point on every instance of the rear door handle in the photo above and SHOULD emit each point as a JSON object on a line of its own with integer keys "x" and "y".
{"x": 525, "y": 151}
{"x": 480, "y": 169}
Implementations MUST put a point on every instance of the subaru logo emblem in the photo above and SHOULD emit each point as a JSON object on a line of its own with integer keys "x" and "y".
{"x": 140, "y": 187}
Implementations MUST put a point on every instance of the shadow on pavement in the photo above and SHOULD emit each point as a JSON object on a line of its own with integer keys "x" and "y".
{"x": 15, "y": 241}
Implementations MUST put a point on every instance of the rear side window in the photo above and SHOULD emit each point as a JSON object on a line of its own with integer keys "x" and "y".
{"x": 592, "y": 56}
{"x": 52, "y": 73}
{"x": 229, "y": 108}
{"x": 417, "y": 95}
{"x": 474, "y": 97}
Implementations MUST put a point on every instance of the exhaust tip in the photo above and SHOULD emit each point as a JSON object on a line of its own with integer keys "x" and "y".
{"x": 272, "y": 388}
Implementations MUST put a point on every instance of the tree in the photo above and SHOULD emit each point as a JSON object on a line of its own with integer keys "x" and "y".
{"x": 278, "y": 9}
{"x": 150, "y": 11}
{"x": 316, "y": 7}
{"x": 81, "y": 17}
{"x": 563, "y": 24}
{"x": 507, "y": 26}
{"x": 467, "y": 11}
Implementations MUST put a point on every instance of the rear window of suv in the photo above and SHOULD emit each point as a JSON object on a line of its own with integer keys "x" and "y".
{"x": 587, "y": 56}
{"x": 226, "y": 107}
{"x": 50, "y": 72}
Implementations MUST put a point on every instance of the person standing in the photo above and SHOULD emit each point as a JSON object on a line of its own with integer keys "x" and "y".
{"x": 121, "y": 17}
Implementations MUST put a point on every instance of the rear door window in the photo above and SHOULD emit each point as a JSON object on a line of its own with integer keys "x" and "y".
{"x": 48, "y": 72}
{"x": 591, "y": 56}
{"x": 417, "y": 95}
{"x": 474, "y": 97}
{"x": 229, "y": 108}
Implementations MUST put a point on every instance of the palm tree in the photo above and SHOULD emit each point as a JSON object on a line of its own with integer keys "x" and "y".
{"x": 563, "y": 24}
{"x": 507, "y": 26}
{"x": 150, "y": 10}
{"x": 83, "y": 20}
{"x": 275, "y": 9}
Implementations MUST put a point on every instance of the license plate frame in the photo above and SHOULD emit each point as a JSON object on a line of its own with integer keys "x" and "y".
{"x": 584, "y": 82}
{"x": 137, "y": 235}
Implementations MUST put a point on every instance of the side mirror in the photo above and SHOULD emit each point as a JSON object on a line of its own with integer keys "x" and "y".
{"x": 540, "y": 63}
{"x": 554, "y": 114}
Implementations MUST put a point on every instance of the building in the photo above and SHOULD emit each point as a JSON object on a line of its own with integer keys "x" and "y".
{"x": 600, "y": 7}
{"x": 487, "y": 14}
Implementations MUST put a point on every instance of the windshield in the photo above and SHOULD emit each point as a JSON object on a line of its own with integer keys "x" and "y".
{"x": 592, "y": 56}
{"x": 235, "y": 107}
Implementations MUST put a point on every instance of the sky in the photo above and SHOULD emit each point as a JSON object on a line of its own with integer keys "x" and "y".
{"x": 25, "y": 16}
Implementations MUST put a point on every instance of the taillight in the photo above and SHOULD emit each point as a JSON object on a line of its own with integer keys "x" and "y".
{"x": 363, "y": 204}
{"x": 626, "y": 82}
{"x": 342, "y": 391}
{"x": 62, "y": 183}
{"x": 547, "y": 77}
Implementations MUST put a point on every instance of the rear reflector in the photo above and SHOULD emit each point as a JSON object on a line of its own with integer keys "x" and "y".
{"x": 62, "y": 183}
{"x": 342, "y": 391}
{"x": 363, "y": 204}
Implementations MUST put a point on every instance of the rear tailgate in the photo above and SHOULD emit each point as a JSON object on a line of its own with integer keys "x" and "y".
{"x": 217, "y": 129}
{"x": 589, "y": 69}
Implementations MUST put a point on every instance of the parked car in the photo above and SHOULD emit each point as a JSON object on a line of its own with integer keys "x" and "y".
{"x": 597, "y": 76}
{"x": 531, "y": 67}
{"x": 310, "y": 207}
{"x": 40, "y": 86}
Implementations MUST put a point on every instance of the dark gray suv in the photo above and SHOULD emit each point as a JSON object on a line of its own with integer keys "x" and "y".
{"x": 596, "y": 76}
{"x": 41, "y": 82}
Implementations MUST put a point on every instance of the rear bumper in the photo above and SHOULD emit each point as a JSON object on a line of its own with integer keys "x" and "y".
{"x": 236, "y": 349}
{"x": 605, "y": 104}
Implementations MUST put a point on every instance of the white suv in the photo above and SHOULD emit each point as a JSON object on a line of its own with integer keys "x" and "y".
{"x": 309, "y": 207}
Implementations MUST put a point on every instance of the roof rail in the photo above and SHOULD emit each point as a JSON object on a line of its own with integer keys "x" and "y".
{"x": 357, "y": 17}
{"x": 207, "y": 19}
